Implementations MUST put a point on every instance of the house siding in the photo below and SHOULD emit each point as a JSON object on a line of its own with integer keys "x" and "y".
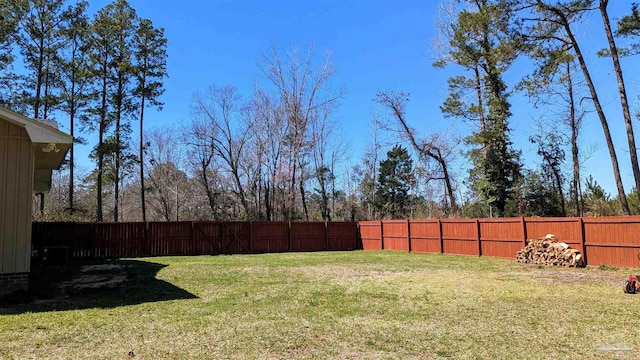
{"x": 16, "y": 188}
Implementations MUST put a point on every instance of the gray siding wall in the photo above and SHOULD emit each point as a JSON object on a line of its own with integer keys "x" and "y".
{"x": 16, "y": 187}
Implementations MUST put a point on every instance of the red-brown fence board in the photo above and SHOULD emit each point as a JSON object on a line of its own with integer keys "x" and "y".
{"x": 118, "y": 240}
{"x": 613, "y": 256}
{"x": 425, "y": 236}
{"x": 236, "y": 236}
{"x": 171, "y": 238}
{"x": 612, "y": 231}
{"x": 614, "y": 240}
{"x": 460, "y": 236}
{"x": 342, "y": 236}
{"x": 269, "y": 237}
{"x": 568, "y": 230}
{"x": 308, "y": 236}
{"x": 371, "y": 235}
{"x": 206, "y": 238}
{"x": 502, "y": 237}
{"x": 395, "y": 235}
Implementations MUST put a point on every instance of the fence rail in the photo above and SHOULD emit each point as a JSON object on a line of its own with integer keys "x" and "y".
{"x": 117, "y": 240}
{"x": 612, "y": 241}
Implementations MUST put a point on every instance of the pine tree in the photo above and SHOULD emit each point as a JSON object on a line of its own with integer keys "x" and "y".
{"x": 480, "y": 42}
{"x": 40, "y": 41}
{"x": 112, "y": 30}
{"x": 75, "y": 76}
{"x": 101, "y": 56}
{"x": 394, "y": 182}
{"x": 551, "y": 22}
{"x": 150, "y": 68}
{"x": 12, "y": 11}
{"x": 124, "y": 17}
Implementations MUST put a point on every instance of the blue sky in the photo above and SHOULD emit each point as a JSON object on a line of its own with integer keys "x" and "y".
{"x": 375, "y": 45}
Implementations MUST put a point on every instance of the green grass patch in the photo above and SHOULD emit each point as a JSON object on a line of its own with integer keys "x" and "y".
{"x": 371, "y": 305}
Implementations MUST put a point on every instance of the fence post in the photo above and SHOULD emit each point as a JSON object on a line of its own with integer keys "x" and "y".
{"x": 193, "y": 239}
{"x": 381, "y": 236}
{"x": 583, "y": 241}
{"x": 440, "y": 236}
{"x": 479, "y": 236}
{"x": 289, "y": 238}
{"x": 250, "y": 237}
{"x": 524, "y": 232}
{"x": 326, "y": 235}
{"x": 408, "y": 236}
{"x": 92, "y": 240}
{"x": 147, "y": 247}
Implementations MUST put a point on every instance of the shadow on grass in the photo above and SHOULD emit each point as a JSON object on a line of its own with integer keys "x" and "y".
{"x": 96, "y": 284}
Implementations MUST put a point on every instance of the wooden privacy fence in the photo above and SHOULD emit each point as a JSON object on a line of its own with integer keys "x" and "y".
{"x": 116, "y": 240}
{"x": 612, "y": 241}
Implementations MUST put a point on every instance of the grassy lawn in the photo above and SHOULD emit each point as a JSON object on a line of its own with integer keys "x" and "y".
{"x": 346, "y": 305}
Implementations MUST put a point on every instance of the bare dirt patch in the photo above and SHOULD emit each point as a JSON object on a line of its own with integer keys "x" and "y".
{"x": 89, "y": 281}
{"x": 95, "y": 277}
{"x": 101, "y": 267}
{"x": 574, "y": 277}
{"x": 345, "y": 272}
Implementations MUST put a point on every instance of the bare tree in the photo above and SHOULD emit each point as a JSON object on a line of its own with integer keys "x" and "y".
{"x": 303, "y": 89}
{"x": 431, "y": 148}
{"x": 199, "y": 137}
{"x": 222, "y": 107}
{"x": 269, "y": 135}
{"x": 325, "y": 154}
{"x": 167, "y": 181}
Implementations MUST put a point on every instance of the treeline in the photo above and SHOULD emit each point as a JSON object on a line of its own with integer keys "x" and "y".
{"x": 99, "y": 72}
{"x": 276, "y": 152}
{"x": 483, "y": 40}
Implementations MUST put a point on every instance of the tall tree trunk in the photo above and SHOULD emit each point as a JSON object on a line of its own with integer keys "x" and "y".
{"x": 47, "y": 80}
{"x": 558, "y": 181}
{"x": 37, "y": 100}
{"x": 243, "y": 199}
{"x": 116, "y": 175}
{"x": 447, "y": 183}
{"x": 260, "y": 190}
{"x": 101, "y": 131}
{"x": 596, "y": 101}
{"x": 478, "y": 84}
{"x": 72, "y": 115}
{"x": 577, "y": 210}
{"x": 292, "y": 190}
{"x": 207, "y": 187}
{"x": 324, "y": 199}
{"x": 268, "y": 200}
{"x": 143, "y": 203}
{"x": 633, "y": 152}
{"x": 303, "y": 195}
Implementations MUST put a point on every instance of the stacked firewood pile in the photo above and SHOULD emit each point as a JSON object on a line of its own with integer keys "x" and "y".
{"x": 549, "y": 251}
